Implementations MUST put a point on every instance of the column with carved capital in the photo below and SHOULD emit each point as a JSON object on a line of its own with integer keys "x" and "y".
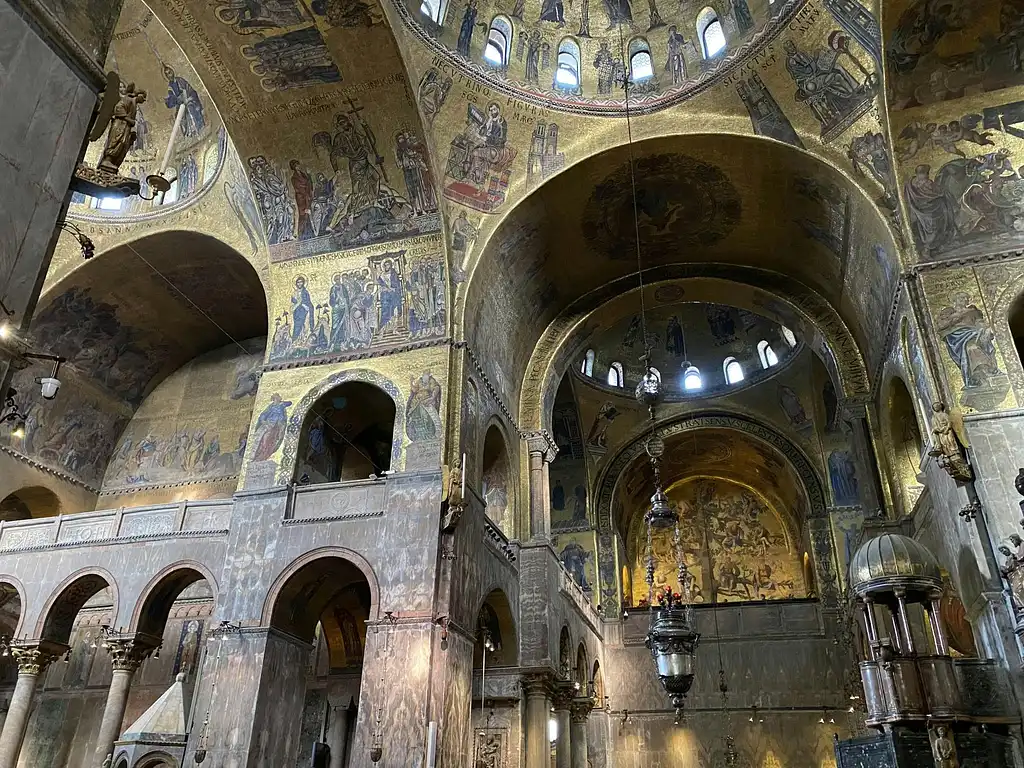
{"x": 126, "y": 654}
{"x": 563, "y": 741}
{"x": 32, "y": 661}
{"x": 542, "y": 451}
{"x": 579, "y": 713}
{"x": 538, "y": 705}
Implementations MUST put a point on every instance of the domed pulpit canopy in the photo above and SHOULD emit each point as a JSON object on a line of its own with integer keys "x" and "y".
{"x": 892, "y": 562}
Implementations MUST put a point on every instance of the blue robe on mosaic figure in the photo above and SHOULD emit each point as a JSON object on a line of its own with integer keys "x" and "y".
{"x": 389, "y": 293}
{"x": 302, "y": 310}
{"x": 180, "y": 91}
{"x": 338, "y": 300}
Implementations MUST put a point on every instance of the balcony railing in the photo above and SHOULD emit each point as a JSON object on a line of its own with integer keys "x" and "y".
{"x": 185, "y": 518}
{"x": 577, "y": 595}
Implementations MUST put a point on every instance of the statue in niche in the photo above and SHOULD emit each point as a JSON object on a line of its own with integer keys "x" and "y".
{"x": 947, "y": 448}
{"x": 1012, "y": 570}
{"x": 454, "y": 502}
{"x": 122, "y": 134}
{"x": 943, "y": 748}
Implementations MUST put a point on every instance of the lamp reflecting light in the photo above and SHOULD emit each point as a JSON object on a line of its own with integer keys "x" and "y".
{"x": 19, "y": 429}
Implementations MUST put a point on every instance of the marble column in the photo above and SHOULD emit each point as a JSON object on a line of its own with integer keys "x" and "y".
{"x": 563, "y": 742}
{"x": 579, "y": 713}
{"x": 538, "y": 708}
{"x": 32, "y": 661}
{"x": 337, "y": 734}
{"x": 126, "y": 655}
{"x": 542, "y": 451}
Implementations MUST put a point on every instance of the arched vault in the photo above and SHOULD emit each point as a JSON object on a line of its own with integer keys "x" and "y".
{"x": 749, "y": 211}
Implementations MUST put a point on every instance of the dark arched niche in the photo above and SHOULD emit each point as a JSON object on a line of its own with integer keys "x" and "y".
{"x": 496, "y": 623}
{"x": 905, "y": 438}
{"x": 495, "y": 482}
{"x": 347, "y": 435}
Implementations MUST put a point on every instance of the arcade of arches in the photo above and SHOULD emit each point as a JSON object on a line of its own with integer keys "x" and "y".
{"x": 340, "y": 308}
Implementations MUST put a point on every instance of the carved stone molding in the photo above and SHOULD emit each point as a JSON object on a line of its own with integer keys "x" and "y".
{"x": 541, "y": 441}
{"x": 538, "y": 684}
{"x": 580, "y": 709}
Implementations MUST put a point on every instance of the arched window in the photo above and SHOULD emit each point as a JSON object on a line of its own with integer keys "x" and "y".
{"x": 710, "y": 32}
{"x": 110, "y": 203}
{"x": 615, "y": 374}
{"x": 434, "y": 9}
{"x": 499, "y": 42}
{"x": 657, "y": 373}
{"x": 587, "y": 366}
{"x": 641, "y": 67}
{"x": 567, "y": 72}
{"x": 788, "y": 336}
{"x": 691, "y": 379}
{"x": 733, "y": 371}
{"x": 767, "y": 354}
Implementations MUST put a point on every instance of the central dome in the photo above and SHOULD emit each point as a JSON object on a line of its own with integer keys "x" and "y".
{"x": 575, "y": 56}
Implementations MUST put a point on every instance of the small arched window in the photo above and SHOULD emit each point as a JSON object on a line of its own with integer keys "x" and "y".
{"x": 733, "y": 371}
{"x": 434, "y": 9}
{"x": 641, "y": 66}
{"x": 788, "y": 336}
{"x": 615, "y": 375}
{"x": 692, "y": 380}
{"x": 767, "y": 354}
{"x": 567, "y": 71}
{"x": 710, "y": 32}
{"x": 657, "y": 373}
{"x": 587, "y": 366}
{"x": 499, "y": 42}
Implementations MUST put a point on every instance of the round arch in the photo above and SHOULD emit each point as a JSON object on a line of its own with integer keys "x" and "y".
{"x": 496, "y": 617}
{"x": 809, "y": 477}
{"x": 565, "y": 653}
{"x": 30, "y": 502}
{"x": 300, "y": 413}
{"x": 323, "y": 553}
{"x": 902, "y": 426}
{"x": 710, "y": 218}
{"x": 155, "y": 601}
{"x": 582, "y": 668}
{"x": 496, "y": 480}
{"x": 58, "y": 616}
{"x": 12, "y": 601}
{"x": 126, "y": 321}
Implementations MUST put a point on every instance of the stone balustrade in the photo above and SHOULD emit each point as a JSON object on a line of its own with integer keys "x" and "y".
{"x": 185, "y": 518}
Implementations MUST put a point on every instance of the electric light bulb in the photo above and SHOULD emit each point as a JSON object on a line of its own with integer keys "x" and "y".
{"x": 5, "y": 330}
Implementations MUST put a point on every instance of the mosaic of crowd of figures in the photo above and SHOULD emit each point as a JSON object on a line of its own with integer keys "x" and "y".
{"x": 391, "y": 298}
{"x": 736, "y": 546}
{"x": 955, "y": 74}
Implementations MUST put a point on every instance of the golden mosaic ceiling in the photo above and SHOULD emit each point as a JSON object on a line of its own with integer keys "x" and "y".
{"x": 574, "y": 56}
{"x": 728, "y": 201}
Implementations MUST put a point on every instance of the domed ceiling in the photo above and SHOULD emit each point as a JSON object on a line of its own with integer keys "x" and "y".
{"x": 700, "y": 334}
{"x": 596, "y": 41}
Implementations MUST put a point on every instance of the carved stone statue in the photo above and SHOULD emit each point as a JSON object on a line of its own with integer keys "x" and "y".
{"x": 1012, "y": 570}
{"x": 947, "y": 448}
{"x": 943, "y": 748}
{"x": 454, "y": 502}
{"x": 121, "y": 136}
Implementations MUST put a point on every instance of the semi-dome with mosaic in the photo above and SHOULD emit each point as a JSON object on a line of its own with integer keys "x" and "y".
{"x": 576, "y": 56}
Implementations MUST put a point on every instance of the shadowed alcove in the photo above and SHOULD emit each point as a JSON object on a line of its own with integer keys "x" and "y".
{"x": 347, "y": 435}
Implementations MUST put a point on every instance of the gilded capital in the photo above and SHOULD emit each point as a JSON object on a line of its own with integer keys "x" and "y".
{"x": 128, "y": 653}
{"x": 32, "y": 659}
